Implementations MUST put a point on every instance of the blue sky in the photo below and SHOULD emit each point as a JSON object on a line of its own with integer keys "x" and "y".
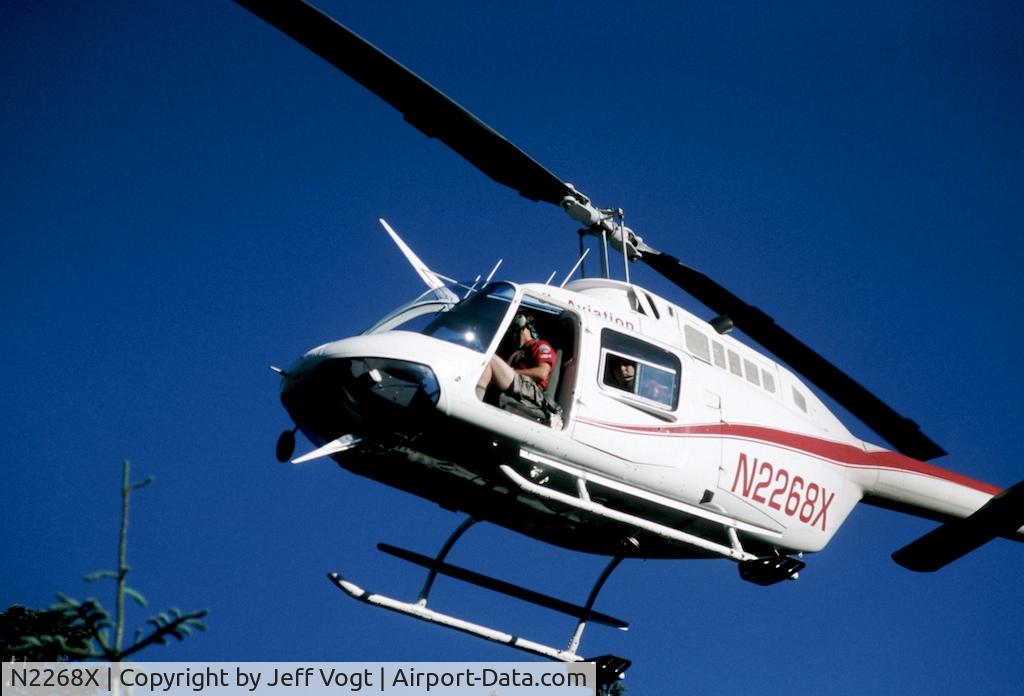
{"x": 188, "y": 196}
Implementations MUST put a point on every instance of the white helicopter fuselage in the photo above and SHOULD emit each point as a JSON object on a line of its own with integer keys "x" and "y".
{"x": 725, "y": 454}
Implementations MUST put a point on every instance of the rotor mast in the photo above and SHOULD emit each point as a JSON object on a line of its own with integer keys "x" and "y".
{"x": 608, "y": 225}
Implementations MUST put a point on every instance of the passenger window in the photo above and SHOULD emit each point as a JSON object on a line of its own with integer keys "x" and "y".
{"x": 752, "y": 373}
{"x": 735, "y": 366}
{"x": 697, "y": 343}
{"x": 799, "y": 400}
{"x": 719, "y": 354}
{"x": 638, "y": 368}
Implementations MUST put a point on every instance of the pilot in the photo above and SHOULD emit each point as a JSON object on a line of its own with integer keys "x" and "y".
{"x": 621, "y": 373}
{"x": 524, "y": 376}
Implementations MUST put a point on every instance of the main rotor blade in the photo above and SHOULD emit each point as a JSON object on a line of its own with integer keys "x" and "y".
{"x": 901, "y": 432}
{"x": 422, "y": 105}
{"x": 431, "y": 112}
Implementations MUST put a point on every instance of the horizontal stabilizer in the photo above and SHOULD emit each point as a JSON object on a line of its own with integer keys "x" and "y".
{"x": 503, "y": 587}
{"x": 1002, "y": 515}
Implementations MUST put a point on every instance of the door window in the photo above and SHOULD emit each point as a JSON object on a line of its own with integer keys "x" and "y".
{"x": 633, "y": 367}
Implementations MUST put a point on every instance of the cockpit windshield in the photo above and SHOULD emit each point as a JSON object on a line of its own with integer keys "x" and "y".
{"x": 417, "y": 313}
{"x": 474, "y": 322}
{"x": 471, "y": 322}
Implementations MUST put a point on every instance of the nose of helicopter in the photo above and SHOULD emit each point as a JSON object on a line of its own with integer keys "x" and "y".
{"x": 335, "y": 396}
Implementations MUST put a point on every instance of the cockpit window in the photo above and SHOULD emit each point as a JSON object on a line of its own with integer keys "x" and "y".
{"x": 640, "y": 369}
{"x": 473, "y": 322}
{"x": 429, "y": 313}
{"x": 417, "y": 313}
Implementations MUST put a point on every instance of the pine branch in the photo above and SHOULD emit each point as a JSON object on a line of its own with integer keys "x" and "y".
{"x": 33, "y": 642}
{"x": 136, "y": 595}
{"x": 169, "y": 624}
{"x": 92, "y": 616}
{"x": 101, "y": 575}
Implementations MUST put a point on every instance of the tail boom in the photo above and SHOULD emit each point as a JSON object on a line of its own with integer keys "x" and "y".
{"x": 972, "y": 513}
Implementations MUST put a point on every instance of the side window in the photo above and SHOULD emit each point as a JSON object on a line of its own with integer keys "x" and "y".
{"x": 697, "y": 343}
{"x": 735, "y": 366}
{"x": 753, "y": 376}
{"x": 635, "y": 367}
{"x": 719, "y": 354}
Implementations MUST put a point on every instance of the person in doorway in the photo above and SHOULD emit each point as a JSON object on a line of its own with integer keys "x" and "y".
{"x": 524, "y": 376}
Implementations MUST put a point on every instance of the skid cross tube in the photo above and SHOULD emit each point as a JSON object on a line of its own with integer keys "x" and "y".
{"x": 574, "y": 642}
{"x": 439, "y": 559}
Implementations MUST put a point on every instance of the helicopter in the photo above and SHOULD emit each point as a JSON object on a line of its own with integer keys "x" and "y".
{"x": 717, "y": 450}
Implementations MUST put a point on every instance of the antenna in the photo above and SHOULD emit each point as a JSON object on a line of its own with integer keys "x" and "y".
{"x": 621, "y": 215}
{"x": 493, "y": 271}
{"x": 604, "y": 254}
{"x": 550, "y": 278}
{"x": 488, "y": 280}
{"x": 583, "y": 250}
{"x": 573, "y": 270}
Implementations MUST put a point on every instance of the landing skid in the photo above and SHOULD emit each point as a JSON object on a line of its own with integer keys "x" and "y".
{"x": 610, "y": 667}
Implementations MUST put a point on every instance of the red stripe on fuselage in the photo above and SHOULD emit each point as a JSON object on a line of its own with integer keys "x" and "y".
{"x": 841, "y": 453}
